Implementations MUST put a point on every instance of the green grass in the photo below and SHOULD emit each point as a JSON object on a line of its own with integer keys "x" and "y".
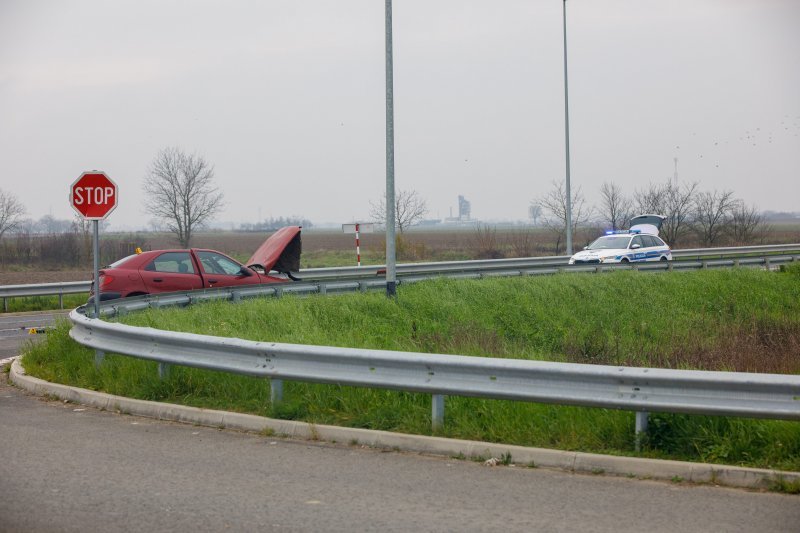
{"x": 745, "y": 320}
{"x": 45, "y": 303}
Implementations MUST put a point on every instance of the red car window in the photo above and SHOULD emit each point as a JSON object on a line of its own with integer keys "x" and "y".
{"x": 172, "y": 262}
{"x": 214, "y": 263}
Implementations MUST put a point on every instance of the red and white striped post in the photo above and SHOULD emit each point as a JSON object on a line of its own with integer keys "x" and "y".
{"x": 358, "y": 228}
{"x": 358, "y": 246}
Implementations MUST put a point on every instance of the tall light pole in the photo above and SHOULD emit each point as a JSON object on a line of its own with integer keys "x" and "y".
{"x": 391, "y": 259}
{"x": 566, "y": 134}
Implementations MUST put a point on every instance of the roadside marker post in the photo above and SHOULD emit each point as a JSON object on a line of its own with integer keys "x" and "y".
{"x": 357, "y": 228}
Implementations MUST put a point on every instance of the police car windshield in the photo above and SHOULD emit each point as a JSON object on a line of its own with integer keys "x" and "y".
{"x": 610, "y": 242}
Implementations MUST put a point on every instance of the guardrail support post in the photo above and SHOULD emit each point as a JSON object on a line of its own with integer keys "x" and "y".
{"x": 766, "y": 263}
{"x": 163, "y": 370}
{"x": 641, "y": 427}
{"x": 60, "y": 301}
{"x": 236, "y": 297}
{"x": 437, "y": 411}
{"x": 5, "y": 305}
{"x": 275, "y": 391}
{"x": 323, "y": 288}
{"x": 99, "y": 355}
{"x": 704, "y": 263}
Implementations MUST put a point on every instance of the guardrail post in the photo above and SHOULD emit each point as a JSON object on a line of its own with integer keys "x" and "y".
{"x": 275, "y": 391}
{"x": 163, "y": 370}
{"x": 704, "y": 263}
{"x": 362, "y": 286}
{"x": 766, "y": 263}
{"x": 437, "y": 411}
{"x": 736, "y": 262}
{"x": 278, "y": 292}
{"x": 60, "y": 300}
{"x": 323, "y": 288}
{"x": 99, "y": 355}
{"x": 669, "y": 266}
{"x": 5, "y": 305}
{"x": 641, "y": 427}
{"x": 236, "y": 297}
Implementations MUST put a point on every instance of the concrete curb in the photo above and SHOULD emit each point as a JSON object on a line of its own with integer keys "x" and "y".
{"x": 732, "y": 476}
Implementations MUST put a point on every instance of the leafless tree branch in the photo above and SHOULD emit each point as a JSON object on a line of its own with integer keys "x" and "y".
{"x": 615, "y": 209}
{"x": 11, "y": 212}
{"x": 410, "y": 207}
{"x": 181, "y": 193}
{"x": 712, "y": 212}
{"x": 553, "y": 207}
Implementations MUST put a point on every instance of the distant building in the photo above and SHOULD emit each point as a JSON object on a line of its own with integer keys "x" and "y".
{"x": 464, "y": 212}
{"x": 464, "y": 208}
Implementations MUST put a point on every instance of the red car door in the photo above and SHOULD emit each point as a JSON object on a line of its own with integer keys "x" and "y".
{"x": 222, "y": 271}
{"x": 170, "y": 272}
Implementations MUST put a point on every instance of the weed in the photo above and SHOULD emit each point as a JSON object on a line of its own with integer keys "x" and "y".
{"x": 598, "y": 471}
{"x": 787, "y": 487}
{"x": 677, "y": 479}
{"x": 267, "y": 432}
{"x": 505, "y": 459}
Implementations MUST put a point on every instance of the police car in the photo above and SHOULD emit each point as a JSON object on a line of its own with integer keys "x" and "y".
{"x": 639, "y": 243}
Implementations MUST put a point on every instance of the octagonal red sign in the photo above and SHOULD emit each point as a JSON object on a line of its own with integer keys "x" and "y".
{"x": 93, "y": 195}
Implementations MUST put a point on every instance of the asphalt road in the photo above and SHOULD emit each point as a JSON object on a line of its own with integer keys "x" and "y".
{"x": 14, "y": 329}
{"x": 70, "y": 468}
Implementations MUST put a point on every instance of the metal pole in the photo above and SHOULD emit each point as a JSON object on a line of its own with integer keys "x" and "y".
{"x": 96, "y": 252}
{"x": 437, "y": 411}
{"x": 391, "y": 259}
{"x": 275, "y": 391}
{"x": 566, "y": 134}
{"x": 641, "y": 428}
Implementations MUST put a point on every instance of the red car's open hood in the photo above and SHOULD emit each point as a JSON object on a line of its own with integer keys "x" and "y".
{"x": 281, "y": 252}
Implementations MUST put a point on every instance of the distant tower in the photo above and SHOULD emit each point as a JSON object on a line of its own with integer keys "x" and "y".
{"x": 464, "y": 209}
{"x": 675, "y": 175}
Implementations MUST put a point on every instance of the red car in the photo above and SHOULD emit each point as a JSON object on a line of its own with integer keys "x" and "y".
{"x": 182, "y": 270}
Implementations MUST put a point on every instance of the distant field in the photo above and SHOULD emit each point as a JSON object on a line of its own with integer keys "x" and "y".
{"x": 331, "y": 247}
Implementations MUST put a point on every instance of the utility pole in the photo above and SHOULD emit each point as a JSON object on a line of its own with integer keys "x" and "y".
{"x": 566, "y": 134}
{"x": 391, "y": 259}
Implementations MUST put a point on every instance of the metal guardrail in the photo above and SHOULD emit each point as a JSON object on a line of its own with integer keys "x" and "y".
{"x": 703, "y": 258}
{"x": 43, "y": 289}
{"x": 635, "y": 389}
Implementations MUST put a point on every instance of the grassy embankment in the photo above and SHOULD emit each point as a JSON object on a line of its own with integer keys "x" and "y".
{"x": 737, "y": 320}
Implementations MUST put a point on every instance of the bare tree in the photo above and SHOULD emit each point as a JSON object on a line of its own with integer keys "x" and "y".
{"x": 616, "y": 209}
{"x": 746, "y": 223}
{"x": 11, "y": 211}
{"x": 675, "y": 202}
{"x": 712, "y": 211}
{"x": 554, "y": 211}
{"x": 409, "y": 209}
{"x": 181, "y": 193}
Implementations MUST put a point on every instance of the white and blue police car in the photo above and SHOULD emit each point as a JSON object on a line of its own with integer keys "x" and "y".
{"x": 639, "y": 243}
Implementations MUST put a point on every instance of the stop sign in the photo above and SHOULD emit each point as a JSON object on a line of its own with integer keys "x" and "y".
{"x": 93, "y": 195}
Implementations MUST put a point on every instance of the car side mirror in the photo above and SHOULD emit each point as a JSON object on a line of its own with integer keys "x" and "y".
{"x": 636, "y": 246}
{"x": 244, "y": 271}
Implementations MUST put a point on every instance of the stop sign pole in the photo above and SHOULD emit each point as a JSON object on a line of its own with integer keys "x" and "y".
{"x": 94, "y": 196}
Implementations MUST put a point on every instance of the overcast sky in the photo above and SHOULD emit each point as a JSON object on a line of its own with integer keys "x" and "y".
{"x": 286, "y": 99}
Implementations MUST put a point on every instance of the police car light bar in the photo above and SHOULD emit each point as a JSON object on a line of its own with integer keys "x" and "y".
{"x": 622, "y": 231}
